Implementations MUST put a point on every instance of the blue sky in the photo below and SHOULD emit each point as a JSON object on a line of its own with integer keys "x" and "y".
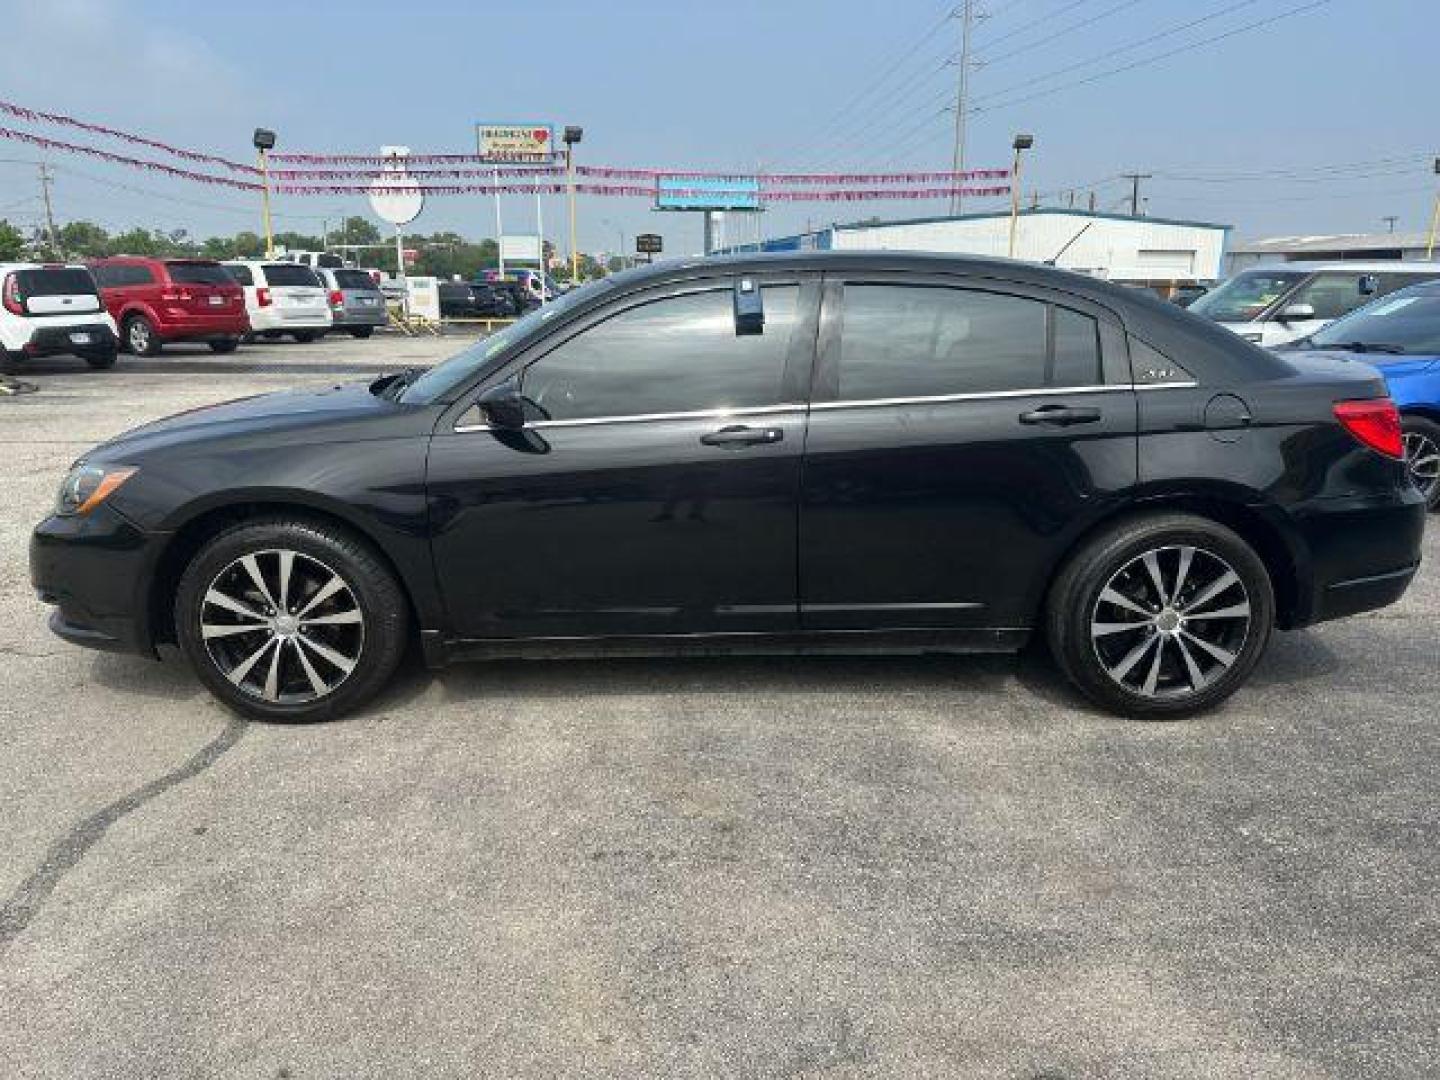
{"x": 1316, "y": 123}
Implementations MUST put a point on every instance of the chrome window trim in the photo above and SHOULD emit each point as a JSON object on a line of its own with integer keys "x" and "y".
{"x": 698, "y": 414}
{"x": 770, "y": 410}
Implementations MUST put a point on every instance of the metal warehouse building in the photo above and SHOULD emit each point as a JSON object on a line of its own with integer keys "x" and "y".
{"x": 1410, "y": 246}
{"x": 1141, "y": 251}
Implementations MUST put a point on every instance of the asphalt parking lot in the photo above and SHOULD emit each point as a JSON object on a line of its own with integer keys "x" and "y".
{"x": 878, "y": 867}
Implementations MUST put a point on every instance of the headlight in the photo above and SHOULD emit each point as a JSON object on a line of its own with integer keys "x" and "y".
{"x": 87, "y": 486}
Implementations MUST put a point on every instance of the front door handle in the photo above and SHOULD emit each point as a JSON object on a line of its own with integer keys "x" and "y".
{"x": 1060, "y": 415}
{"x": 740, "y": 435}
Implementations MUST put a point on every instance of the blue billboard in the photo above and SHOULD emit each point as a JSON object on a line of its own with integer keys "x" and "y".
{"x": 707, "y": 193}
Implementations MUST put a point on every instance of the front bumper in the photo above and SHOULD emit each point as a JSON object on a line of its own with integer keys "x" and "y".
{"x": 55, "y": 340}
{"x": 97, "y": 570}
{"x": 1362, "y": 552}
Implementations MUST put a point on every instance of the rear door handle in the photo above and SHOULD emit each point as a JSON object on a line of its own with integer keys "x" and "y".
{"x": 740, "y": 435}
{"x": 1060, "y": 415}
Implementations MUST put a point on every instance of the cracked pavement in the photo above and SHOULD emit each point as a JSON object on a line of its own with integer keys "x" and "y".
{"x": 775, "y": 868}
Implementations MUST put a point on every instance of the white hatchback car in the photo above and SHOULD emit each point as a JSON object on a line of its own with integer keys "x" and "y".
{"x": 282, "y": 298}
{"x": 51, "y": 309}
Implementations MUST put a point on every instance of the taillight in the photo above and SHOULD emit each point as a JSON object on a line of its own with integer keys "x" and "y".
{"x": 262, "y": 297}
{"x": 337, "y": 298}
{"x": 1375, "y": 423}
{"x": 172, "y": 296}
{"x": 10, "y": 296}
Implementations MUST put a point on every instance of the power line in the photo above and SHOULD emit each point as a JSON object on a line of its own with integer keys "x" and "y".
{"x": 1115, "y": 10}
{"x": 1121, "y": 49}
{"x": 1042, "y": 20}
{"x": 1146, "y": 61}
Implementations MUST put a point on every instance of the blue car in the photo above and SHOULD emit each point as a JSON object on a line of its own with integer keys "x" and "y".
{"x": 1400, "y": 335}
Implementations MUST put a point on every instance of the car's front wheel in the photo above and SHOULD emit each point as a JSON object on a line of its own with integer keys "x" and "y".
{"x": 1422, "y": 457}
{"x": 1161, "y": 615}
{"x": 361, "y": 331}
{"x": 304, "y": 337}
{"x": 290, "y": 620}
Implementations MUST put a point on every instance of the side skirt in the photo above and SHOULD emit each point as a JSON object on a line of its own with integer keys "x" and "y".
{"x": 830, "y": 642}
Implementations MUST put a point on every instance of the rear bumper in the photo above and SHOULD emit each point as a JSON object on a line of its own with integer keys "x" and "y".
{"x": 96, "y": 570}
{"x": 192, "y": 327}
{"x": 366, "y": 316}
{"x": 1363, "y": 553}
{"x": 270, "y": 319}
{"x": 54, "y": 340}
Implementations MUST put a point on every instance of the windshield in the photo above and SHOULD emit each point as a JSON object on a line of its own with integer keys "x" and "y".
{"x": 446, "y": 376}
{"x": 1406, "y": 322}
{"x": 1246, "y": 295}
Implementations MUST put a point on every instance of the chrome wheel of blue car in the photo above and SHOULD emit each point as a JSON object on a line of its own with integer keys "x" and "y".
{"x": 1422, "y": 457}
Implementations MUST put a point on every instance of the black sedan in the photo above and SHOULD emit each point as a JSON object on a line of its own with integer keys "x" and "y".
{"x": 827, "y": 451}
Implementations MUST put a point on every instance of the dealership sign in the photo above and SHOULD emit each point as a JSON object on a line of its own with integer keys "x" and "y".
{"x": 516, "y": 142}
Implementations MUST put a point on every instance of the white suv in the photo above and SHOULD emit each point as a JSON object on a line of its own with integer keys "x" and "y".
{"x": 51, "y": 309}
{"x": 282, "y": 298}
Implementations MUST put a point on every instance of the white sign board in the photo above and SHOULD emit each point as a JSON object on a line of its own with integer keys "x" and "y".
{"x": 391, "y": 197}
{"x": 520, "y": 248}
{"x": 515, "y": 142}
{"x": 424, "y": 297}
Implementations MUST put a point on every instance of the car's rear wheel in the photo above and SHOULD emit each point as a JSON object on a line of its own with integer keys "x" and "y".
{"x": 140, "y": 337}
{"x": 304, "y": 337}
{"x": 1161, "y": 615}
{"x": 100, "y": 361}
{"x": 9, "y": 362}
{"x": 1422, "y": 457}
{"x": 290, "y": 620}
{"x": 361, "y": 331}
{"x": 224, "y": 345}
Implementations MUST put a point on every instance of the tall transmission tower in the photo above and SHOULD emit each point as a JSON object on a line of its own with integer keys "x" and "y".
{"x": 967, "y": 14}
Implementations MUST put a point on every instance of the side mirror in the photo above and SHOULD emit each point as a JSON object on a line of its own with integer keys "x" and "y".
{"x": 1369, "y": 284}
{"x": 1298, "y": 313}
{"x": 503, "y": 406}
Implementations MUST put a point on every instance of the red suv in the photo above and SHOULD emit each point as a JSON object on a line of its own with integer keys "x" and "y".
{"x": 154, "y": 301}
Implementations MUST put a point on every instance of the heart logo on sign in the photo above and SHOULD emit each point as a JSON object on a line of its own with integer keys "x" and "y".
{"x": 541, "y": 135}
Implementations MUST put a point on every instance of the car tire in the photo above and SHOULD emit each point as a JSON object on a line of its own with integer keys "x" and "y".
{"x": 100, "y": 361}
{"x": 225, "y": 345}
{"x": 9, "y": 362}
{"x": 290, "y": 666}
{"x": 1422, "y": 456}
{"x": 140, "y": 337}
{"x": 361, "y": 331}
{"x": 304, "y": 337}
{"x": 1146, "y": 631}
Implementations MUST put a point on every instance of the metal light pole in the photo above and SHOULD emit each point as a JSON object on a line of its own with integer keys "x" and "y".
{"x": 572, "y": 136}
{"x": 265, "y": 141}
{"x": 1434, "y": 218}
{"x": 1021, "y": 144}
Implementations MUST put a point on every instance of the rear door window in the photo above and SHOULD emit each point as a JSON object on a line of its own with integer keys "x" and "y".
{"x": 1331, "y": 295}
{"x": 919, "y": 341}
{"x": 58, "y": 290}
{"x": 198, "y": 273}
{"x": 290, "y": 274}
{"x": 241, "y": 274}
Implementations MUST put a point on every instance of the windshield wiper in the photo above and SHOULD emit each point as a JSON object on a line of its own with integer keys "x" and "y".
{"x": 1364, "y": 347}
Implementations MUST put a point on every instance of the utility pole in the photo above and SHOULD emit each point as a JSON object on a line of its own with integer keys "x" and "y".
{"x": 962, "y": 100}
{"x": 1390, "y": 220}
{"x": 46, "y": 179}
{"x": 1135, "y": 179}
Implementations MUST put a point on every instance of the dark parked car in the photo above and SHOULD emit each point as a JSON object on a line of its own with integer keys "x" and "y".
{"x": 821, "y": 451}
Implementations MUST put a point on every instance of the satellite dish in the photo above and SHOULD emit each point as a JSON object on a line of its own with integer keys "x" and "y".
{"x": 391, "y": 200}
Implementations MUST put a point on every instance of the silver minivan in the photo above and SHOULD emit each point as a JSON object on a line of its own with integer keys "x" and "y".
{"x": 1283, "y": 302}
{"x": 357, "y": 305}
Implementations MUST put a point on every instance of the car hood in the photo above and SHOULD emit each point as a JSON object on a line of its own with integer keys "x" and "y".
{"x": 277, "y": 414}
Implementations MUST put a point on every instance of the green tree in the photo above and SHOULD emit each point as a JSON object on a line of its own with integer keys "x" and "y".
{"x": 358, "y": 230}
{"x": 84, "y": 239}
{"x": 12, "y": 242}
